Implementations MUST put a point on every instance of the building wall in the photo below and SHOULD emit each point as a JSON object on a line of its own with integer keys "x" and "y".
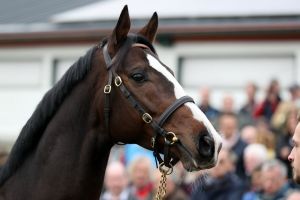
{"x": 25, "y": 76}
{"x": 226, "y": 67}
{"x": 27, "y": 73}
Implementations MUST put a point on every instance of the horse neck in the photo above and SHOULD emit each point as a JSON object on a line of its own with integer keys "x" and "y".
{"x": 71, "y": 157}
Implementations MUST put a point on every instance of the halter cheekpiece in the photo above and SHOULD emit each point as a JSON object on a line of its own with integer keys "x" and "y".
{"x": 169, "y": 137}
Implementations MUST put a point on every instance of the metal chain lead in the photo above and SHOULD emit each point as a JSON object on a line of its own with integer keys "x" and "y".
{"x": 162, "y": 188}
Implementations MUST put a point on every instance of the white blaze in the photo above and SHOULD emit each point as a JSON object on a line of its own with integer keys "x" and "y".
{"x": 179, "y": 92}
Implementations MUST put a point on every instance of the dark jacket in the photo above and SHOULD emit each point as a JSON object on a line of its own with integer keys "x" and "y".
{"x": 230, "y": 187}
{"x": 284, "y": 141}
{"x": 238, "y": 149}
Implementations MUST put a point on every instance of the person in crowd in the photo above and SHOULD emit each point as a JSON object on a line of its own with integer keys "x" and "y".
{"x": 254, "y": 155}
{"x": 246, "y": 111}
{"x": 228, "y": 126}
{"x": 173, "y": 189}
{"x": 205, "y": 105}
{"x": 221, "y": 182}
{"x": 280, "y": 116}
{"x": 266, "y": 137}
{"x": 294, "y": 156}
{"x": 227, "y": 104}
{"x": 249, "y": 134}
{"x": 284, "y": 141}
{"x": 185, "y": 180}
{"x": 140, "y": 173}
{"x": 255, "y": 184}
{"x": 116, "y": 183}
{"x": 268, "y": 106}
{"x": 274, "y": 181}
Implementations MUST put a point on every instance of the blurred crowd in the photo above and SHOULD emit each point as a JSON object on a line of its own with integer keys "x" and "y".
{"x": 253, "y": 163}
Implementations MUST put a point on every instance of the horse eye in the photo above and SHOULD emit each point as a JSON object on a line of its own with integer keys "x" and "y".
{"x": 138, "y": 77}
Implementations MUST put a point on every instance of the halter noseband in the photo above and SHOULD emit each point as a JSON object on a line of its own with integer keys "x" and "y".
{"x": 169, "y": 137}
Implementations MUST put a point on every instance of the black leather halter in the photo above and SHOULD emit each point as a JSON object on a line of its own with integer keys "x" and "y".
{"x": 169, "y": 137}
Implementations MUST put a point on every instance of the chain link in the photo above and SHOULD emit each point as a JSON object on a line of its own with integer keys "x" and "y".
{"x": 162, "y": 188}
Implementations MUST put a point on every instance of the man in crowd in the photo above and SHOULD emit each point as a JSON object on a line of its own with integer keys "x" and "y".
{"x": 228, "y": 125}
{"x": 221, "y": 183}
{"x": 294, "y": 156}
{"x": 254, "y": 155}
{"x": 205, "y": 105}
{"x": 274, "y": 181}
{"x": 116, "y": 183}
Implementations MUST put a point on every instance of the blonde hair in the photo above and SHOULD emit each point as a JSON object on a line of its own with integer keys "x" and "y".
{"x": 138, "y": 160}
{"x": 266, "y": 138}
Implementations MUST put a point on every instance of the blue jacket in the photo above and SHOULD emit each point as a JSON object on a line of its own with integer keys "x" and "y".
{"x": 280, "y": 195}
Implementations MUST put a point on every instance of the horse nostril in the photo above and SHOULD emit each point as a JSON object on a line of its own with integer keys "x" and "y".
{"x": 206, "y": 146}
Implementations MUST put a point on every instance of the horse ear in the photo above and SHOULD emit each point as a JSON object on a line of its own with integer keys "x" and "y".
{"x": 121, "y": 30}
{"x": 149, "y": 31}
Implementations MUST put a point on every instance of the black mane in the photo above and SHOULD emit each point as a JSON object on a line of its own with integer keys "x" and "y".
{"x": 35, "y": 126}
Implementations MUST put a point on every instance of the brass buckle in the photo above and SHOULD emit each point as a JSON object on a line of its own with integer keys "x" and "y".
{"x": 147, "y": 118}
{"x": 171, "y": 137}
{"x": 118, "y": 81}
{"x": 107, "y": 89}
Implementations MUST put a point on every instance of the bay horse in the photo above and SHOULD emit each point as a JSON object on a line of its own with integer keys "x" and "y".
{"x": 119, "y": 91}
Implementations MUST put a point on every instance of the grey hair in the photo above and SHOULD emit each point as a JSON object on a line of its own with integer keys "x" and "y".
{"x": 274, "y": 163}
{"x": 257, "y": 149}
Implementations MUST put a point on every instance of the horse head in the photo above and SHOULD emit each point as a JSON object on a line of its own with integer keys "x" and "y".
{"x": 150, "y": 107}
